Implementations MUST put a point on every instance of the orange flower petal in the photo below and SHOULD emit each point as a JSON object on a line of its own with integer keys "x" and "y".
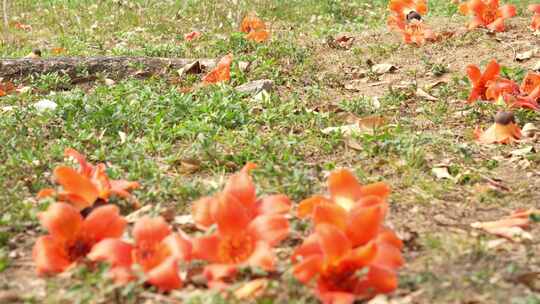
{"x": 388, "y": 257}
{"x": 262, "y": 257}
{"x": 360, "y": 257}
{"x": 308, "y": 268}
{"x": 165, "y": 276}
{"x": 104, "y": 222}
{"x": 334, "y": 243}
{"x": 204, "y": 212}
{"x": 271, "y": 228}
{"x": 329, "y": 213}
{"x": 389, "y": 237}
{"x": 507, "y": 11}
{"x": 231, "y": 217}
{"x": 382, "y": 280}
{"x": 150, "y": 230}
{"x": 222, "y": 72}
{"x": 336, "y": 297}
{"x": 219, "y": 272}
{"x": 179, "y": 246}
{"x": 84, "y": 167}
{"x": 258, "y": 36}
{"x": 380, "y": 189}
{"x": 241, "y": 186}
{"x": 121, "y": 275}
{"x": 363, "y": 224}
{"x": 73, "y": 182}
{"x": 73, "y": 199}
{"x": 206, "y": 248}
{"x": 500, "y": 86}
{"x": 62, "y": 221}
{"x": 48, "y": 256}
{"x": 47, "y": 192}
{"x": 305, "y": 207}
{"x": 309, "y": 247}
{"x": 274, "y": 204}
{"x": 343, "y": 183}
{"x": 113, "y": 251}
{"x": 252, "y": 23}
{"x": 122, "y": 187}
{"x": 530, "y": 82}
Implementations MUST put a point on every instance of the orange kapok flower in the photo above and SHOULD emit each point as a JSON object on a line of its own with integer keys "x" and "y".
{"x": 71, "y": 237}
{"x": 83, "y": 187}
{"x": 6, "y": 88}
{"x": 247, "y": 228}
{"x": 535, "y": 23}
{"x": 241, "y": 187}
{"x": 329, "y": 258}
{"x": 255, "y": 28}
{"x": 221, "y": 73}
{"x": 504, "y": 130}
{"x": 487, "y": 13}
{"x": 191, "y": 36}
{"x": 498, "y": 87}
{"x": 524, "y": 101}
{"x": 157, "y": 250}
{"x": 401, "y": 8}
{"x": 530, "y": 82}
{"x": 480, "y": 80}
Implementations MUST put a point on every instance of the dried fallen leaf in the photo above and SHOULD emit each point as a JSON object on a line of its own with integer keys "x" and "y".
{"x": 139, "y": 213}
{"x": 441, "y": 173}
{"x": 523, "y": 151}
{"x": 383, "y": 68}
{"x": 189, "y": 166}
{"x": 529, "y": 130}
{"x": 525, "y": 55}
{"x": 251, "y": 289}
{"x": 510, "y": 227}
{"x": 423, "y": 94}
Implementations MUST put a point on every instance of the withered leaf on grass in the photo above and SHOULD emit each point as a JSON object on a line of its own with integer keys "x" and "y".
{"x": 251, "y": 289}
{"x": 383, "y": 68}
{"x": 366, "y": 125}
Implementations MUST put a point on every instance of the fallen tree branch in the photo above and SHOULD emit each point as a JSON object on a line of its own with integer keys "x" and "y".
{"x": 84, "y": 69}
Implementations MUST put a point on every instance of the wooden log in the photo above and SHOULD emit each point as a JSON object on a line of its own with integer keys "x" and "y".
{"x": 81, "y": 69}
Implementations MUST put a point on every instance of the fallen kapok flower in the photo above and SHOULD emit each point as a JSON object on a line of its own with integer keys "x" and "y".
{"x": 479, "y": 80}
{"x": 86, "y": 186}
{"x": 21, "y": 26}
{"x": 523, "y": 101}
{"x": 406, "y": 10}
{"x": 487, "y": 13}
{"x": 342, "y": 272}
{"x": 415, "y": 32}
{"x": 6, "y": 88}
{"x": 58, "y": 50}
{"x": 192, "y": 36}
{"x": 71, "y": 237}
{"x": 510, "y": 227}
{"x": 530, "y": 82}
{"x": 535, "y": 23}
{"x": 157, "y": 250}
{"x": 221, "y": 73}
{"x": 254, "y": 28}
{"x": 499, "y": 86}
{"x": 247, "y": 228}
{"x": 504, "y": 130}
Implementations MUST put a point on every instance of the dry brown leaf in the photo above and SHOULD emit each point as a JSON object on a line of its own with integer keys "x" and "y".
{"x": 383, "y": 68}
{"x": 511, "y": 227}
{"x": 441, "y": 173}
{"x": 423, "y": 94}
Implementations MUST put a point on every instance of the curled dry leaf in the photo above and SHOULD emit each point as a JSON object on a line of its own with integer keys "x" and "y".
{"x": 526, "y": 55}
{"x": 529, "y": 130}
{"x": 383, "y": 68}
{"x": 361, "y": 126}
{"x": 511, "y": 227}
{"x": 423, "y": 94}
{"x": 441, "y": 173}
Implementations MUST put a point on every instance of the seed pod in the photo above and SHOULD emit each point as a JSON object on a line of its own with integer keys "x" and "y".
{"x": 504, "y": 118}
{"x": 413, "y": 15}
